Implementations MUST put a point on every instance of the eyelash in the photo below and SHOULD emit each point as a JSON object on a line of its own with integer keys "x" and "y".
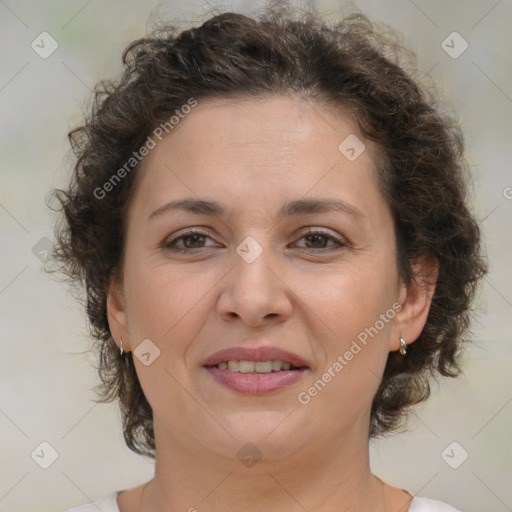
{"x": 168, "y": 245}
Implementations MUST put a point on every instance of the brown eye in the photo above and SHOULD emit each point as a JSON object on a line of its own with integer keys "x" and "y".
{"x": 191, "y": 240}
{"x": 318, "y": 240}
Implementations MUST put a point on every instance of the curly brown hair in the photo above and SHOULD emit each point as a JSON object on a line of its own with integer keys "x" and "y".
{"x": 351, "y": 63}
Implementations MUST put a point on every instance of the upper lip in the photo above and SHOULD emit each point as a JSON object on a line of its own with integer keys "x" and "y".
{"x": 264, "y": 353}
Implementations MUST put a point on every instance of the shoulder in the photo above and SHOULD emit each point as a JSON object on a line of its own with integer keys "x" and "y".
{"x": 426, "y": 505}
{"x": 106, "y": 503}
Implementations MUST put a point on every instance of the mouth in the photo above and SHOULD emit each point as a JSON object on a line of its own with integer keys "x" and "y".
{"x": 256, "y": 366}
{"x": 255, "y": 371}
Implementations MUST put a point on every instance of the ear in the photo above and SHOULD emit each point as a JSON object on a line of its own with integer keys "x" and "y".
{"x": 415, "y": 299}
{"x": 116, "y": 314}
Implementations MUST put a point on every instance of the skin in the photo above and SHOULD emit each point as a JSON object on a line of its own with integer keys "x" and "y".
{"x": 252, "y": 156}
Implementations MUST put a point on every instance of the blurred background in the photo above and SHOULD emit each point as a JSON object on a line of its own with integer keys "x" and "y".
{"x": 457, "y": 447}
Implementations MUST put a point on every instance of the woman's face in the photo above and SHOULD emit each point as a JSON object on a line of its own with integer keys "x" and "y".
{"x": 254, "y": 278}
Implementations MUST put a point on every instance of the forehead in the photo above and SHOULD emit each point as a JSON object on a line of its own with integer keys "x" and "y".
{"x": 272, "y": 120}
{"x": 273, "y": 148}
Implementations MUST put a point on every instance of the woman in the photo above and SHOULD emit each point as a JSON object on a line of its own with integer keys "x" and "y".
{"x": 268, "y": 217}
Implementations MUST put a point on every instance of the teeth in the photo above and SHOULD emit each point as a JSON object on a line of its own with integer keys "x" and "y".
{"x": 233, "y": 366}
{"x": 263, "y": 367}
{"x": 254, "y": 366}
{"x": 245, "y": 366}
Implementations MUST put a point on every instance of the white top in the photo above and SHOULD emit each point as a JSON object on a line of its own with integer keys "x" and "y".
{"x": 108, "y": 503}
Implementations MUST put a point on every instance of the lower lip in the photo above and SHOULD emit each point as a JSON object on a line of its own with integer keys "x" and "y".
{"x": 256, "y": 383}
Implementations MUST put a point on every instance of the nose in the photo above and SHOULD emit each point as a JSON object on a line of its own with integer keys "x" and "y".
{"x": 255, "y": 292}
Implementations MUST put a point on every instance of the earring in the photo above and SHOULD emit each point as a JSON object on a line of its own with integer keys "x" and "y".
{"x": 403, "y": 346}
{"x": 121, "y": 351}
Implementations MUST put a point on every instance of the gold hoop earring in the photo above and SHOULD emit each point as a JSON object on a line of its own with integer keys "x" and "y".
{"x": 403, "y": 346}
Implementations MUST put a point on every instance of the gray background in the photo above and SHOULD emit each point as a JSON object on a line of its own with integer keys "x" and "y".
{"x": 46, "y": 382}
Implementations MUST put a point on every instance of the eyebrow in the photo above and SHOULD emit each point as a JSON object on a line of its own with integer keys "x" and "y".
{"x": 297, "y": 207}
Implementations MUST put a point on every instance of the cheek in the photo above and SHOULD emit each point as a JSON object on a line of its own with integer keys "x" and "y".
{"x": 168, "y": 307}
{"x": 162, "y": 302}
{"x": 356, "y": 309}
{"x": 353, "y": 358}
{"x": 351, "y": 299}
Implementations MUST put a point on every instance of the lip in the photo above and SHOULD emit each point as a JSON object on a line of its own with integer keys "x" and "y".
{"x": 256, "y": 383}
{"x": 264, "y": 353}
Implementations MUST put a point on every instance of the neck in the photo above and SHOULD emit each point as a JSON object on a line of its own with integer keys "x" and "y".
{"x": 329, "y": 476}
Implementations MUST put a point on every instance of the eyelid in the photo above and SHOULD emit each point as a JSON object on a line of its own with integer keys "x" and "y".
{"x": 187, "y": 232}
{"x": 308, "y": 231}
{"x": 339, "y": 240}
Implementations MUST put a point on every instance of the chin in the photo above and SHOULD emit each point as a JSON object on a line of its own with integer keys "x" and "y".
{"x": 272, "y": 435}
